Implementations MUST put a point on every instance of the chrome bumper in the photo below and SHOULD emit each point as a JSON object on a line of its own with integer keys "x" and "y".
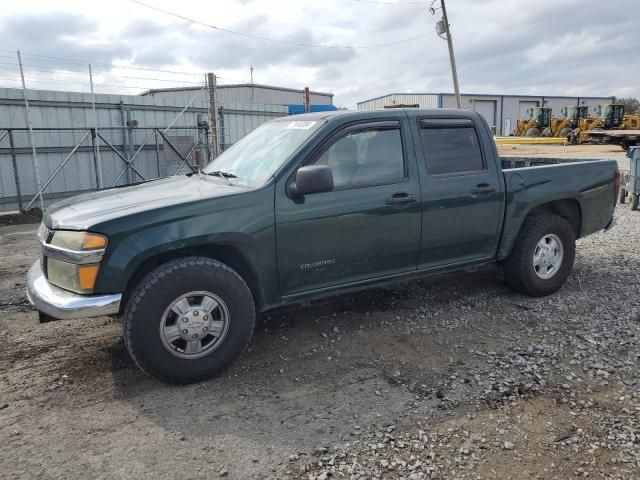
{"x": 62, "y": 304}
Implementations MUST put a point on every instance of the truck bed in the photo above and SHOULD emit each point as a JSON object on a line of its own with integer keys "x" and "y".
{"x": 586, "y": 184}
{"x": 523, "y": 162}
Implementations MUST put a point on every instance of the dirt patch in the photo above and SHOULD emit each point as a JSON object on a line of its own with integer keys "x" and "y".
{"x": 449, "y": 377}
{"x": 31, "y": 216}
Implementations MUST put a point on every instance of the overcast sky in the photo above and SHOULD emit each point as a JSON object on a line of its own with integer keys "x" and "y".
{"x": 545, "y": 47}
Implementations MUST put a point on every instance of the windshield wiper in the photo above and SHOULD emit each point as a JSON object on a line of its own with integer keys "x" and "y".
{"x": 225, "y": 175}
{"x": 220, "y": 173}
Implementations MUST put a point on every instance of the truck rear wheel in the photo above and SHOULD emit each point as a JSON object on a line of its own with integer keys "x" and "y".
{"x": 543, "y": 255}
{"x": 188, "y": 319}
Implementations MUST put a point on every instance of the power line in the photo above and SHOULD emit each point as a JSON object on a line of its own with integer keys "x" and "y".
{"x": 65, "y": 71}
{"x": 49, "y": 58}
{"x": 67, "y": 82}
{"x": 274, "y": 40}
{"x": 398, "y": 4}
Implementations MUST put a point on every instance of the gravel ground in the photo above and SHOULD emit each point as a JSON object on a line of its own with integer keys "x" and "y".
{"x": 450, "y": 377}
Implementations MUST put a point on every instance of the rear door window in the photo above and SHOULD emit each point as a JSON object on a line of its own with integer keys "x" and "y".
{"x": 451, "y": 147}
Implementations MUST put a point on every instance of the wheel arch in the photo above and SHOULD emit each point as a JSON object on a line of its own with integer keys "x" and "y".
{"x": 567, "y": 208}
{"x": 230, "y": 255}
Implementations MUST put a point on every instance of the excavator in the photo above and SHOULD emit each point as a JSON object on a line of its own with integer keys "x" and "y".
{"x": 539, "y": 120}
{"x": 571, "y": 117}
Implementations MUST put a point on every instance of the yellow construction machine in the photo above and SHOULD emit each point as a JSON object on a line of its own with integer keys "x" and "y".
{"x": 610, "y": 119}
{"x": 539, "y": 120}
{"x": 571, "y": 117}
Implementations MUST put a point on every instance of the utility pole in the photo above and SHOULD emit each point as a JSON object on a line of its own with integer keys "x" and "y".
{"x": 213, "y": 109}
{"x": 443, "y": 27}
{"x": 307, "y": 100}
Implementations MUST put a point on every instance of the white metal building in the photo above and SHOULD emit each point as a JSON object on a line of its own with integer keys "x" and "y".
{"x": 244, "y": 93}
{"x": 500, "y": 111}
{"x": 243, "y": 107}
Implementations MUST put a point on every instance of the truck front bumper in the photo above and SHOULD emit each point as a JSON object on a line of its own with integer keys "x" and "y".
{"x": 64, "y": 305}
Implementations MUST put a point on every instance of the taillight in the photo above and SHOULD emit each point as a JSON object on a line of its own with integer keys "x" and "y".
{"x": 616, "y": 186}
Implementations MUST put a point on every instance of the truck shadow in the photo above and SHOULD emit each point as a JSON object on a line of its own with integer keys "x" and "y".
{"x": 319, "y": 370}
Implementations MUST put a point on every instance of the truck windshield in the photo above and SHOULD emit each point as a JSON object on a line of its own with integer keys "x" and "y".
{"x": 259, "y": 154}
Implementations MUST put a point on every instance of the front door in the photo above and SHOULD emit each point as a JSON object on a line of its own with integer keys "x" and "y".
{"x": 368, "y": 226}
{"x": 462, "y": 197}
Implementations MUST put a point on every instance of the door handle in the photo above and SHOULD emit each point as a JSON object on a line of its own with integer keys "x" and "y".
{"x": 483, "y": 188}
{"x": 401, "y": 198}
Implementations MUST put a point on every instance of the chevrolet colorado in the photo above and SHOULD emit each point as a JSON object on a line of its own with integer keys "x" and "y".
{"x": 305, "y": 207}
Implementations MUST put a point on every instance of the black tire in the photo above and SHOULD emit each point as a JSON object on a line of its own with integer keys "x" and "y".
{"x": 44, "y": 318}
{"x": 532, "y": 132}
{"x": 152, "y": 296}
{"x": 565, "y": 132}
{"x": 518, "y": 266}
{"x": 635, "y": 200}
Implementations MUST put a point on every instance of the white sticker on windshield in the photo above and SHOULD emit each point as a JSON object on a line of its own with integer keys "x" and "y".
{"x": 301, "y": 124}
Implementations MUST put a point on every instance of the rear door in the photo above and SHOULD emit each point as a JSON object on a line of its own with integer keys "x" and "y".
{"x": 462, "y": 198}
{"x": 368, "y": 226}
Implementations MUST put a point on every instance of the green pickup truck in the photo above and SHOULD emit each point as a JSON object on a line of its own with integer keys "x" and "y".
{"x": 305, "y": 207}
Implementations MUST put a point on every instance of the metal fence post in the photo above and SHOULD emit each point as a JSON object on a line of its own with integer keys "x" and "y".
{"x": 16, "y": 174}
{"x": 155, "y": 133}
{"x": 130, "y": 144}
{"x": 123, "y": 122}
{"x": 94, "y": 139}
{"x": 96, "y": 161}
{"x": 34, "y": 155}
{"x": 213, "y": 108}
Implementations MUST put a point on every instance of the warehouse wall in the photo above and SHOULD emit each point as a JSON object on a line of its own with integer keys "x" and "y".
{"x": 245, "y": 95}
{"x": 54, "y": 109}
{"x": 500, "y": 111}
{"x": 487, "y": 105}
{"x": 424, "y": 100}
{"x": 266, "y": 95}
{"x": 238, "y": 120}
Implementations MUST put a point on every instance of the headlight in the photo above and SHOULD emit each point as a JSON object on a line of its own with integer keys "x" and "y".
{"x": 73, "y": 259}
{"x": 77, "y": 278}
{"x": 78, "y": 241}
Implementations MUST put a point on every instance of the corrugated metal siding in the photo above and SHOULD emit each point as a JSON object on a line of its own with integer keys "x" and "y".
{"x": 52, "y": 109}
{"x": 481, "y": 103}
{"x": 247, "y": 94}
{"x": 423, "y": 100}
{"x": 238, "y": 120}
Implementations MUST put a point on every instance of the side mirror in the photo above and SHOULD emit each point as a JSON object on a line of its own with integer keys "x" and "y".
{"x": 312, "y": 179}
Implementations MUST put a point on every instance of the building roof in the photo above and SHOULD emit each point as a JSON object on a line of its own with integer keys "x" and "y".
{"x": 234, "y": 85}
{"x": 464, "y": 94}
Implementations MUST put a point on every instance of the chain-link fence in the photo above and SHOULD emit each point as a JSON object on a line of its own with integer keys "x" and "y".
{"x": 69, "y": 161}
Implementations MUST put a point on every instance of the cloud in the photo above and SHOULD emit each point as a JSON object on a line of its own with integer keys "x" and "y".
{"x": 67, "y": 35}
{"x": 573, "y": 47}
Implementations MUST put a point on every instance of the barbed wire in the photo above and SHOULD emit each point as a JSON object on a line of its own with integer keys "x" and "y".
{"x": 398, "y": 4}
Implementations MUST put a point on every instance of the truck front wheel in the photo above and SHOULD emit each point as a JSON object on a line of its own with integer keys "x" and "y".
{"x": 188, "y": 319}
{"x": 543, "y": 255}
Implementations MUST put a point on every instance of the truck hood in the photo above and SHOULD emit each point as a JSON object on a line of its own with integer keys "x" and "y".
{"x": 83, "y": 211}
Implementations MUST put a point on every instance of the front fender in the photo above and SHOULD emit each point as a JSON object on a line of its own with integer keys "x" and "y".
{"x": 242, "y": 222}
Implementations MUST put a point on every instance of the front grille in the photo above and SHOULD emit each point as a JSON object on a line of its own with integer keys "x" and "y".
{"x": 43, "y": 233}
